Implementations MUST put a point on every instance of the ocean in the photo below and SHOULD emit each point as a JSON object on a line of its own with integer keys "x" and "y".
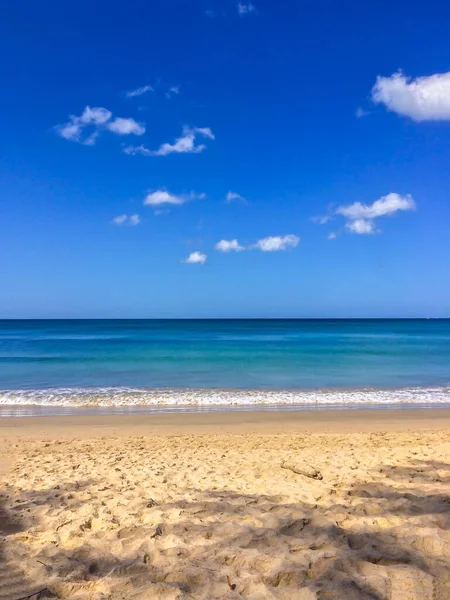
{"x": 182, "y": 364}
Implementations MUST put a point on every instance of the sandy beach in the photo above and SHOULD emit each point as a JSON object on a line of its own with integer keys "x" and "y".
{"x": 199, "y": 506}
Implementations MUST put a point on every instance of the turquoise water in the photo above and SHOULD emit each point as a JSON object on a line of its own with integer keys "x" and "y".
{"x": 222, "y": 361}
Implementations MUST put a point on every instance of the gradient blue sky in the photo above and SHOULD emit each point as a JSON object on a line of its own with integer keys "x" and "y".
{"x": 286, "y": 88}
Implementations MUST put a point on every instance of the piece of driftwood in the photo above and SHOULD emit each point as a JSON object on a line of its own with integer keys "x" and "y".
{"x": 302, "y": 469}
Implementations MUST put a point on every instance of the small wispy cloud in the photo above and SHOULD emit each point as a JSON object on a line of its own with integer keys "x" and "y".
{"x": 321, "y": 220}
{"x": 75, "y": 128}
{"x": 360, "y": 113}
{"x": 135, "y": 150}
{"x": 125, "y": 126}
{"x": 205, "y": 131}
{"x": 420, "y": 99}
{"x": 126, "y": 220}
{"x": 361, "y": 226}
{"x": 85, "y": 128}
{"x": 386, "y": 205}
{"x": 196, "y": 258}
{"x": 210, "y": 13}
{"x": 360, "y": 218}
{"x": 173, "y": 91}
{"x": 139, "y": 91}
{"x": 120, "y": 220}
{"x": 161, "y": 197}
{"x": 134, "y": 219}
{"x": 332, "y": 236}
{"x": 277, "y": 243}
{"x": 268, "y": 244}
{"x": 229, "y": 246}
{"x": 185, "y": 144}
{"x": 234, "y": 197}
{"x": 245, "y": 8}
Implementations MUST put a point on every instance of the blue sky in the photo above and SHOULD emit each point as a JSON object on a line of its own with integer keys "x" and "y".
{"x": 223, "y": 159}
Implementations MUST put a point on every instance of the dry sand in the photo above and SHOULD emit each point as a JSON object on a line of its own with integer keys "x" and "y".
{"x": 166, "y": 506}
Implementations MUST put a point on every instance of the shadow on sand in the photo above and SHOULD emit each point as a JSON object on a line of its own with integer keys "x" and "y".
{"x": 387, "y": 540}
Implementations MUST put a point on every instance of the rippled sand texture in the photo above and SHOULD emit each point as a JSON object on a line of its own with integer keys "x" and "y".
{"x": 195, "y": 516}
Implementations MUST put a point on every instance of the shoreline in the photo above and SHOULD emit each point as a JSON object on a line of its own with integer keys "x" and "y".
{"x": 226, "y": 422}
{"x": 112, "y": 400}
{"x": 98, "y": 412}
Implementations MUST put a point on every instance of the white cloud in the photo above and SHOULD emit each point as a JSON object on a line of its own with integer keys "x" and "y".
{"x": 321, "y": 220}
{"x": 361, "y": 226}
{"x": 163, "y": 197}
{"x": 160, "y": 197}
{"x": 360, "y": 218}
{"x": 135, "y": 219}
{"x": 126, "y": 220}
{"x": 173, "y": 91}
{"x": 125, "y": 127}
{"x": 86, "y": 128}
{"x": 245, "y": 8}
{"x": 120, "y": 220}
{"x": 386, "y": 205}
{"x": 182, "y": 145}
{"x": 277, "y": 243}
{"x": 74, "y": 128}
{"x": 133, "y": 150}
{"x": 139, "y": 91}
{"x": 234, "y": 197}
{"x": 196, "y": 258}
{"x": 95, "y": 116}
{"x": 229, "y": 246}
{"x": 421, "y": 99}
{"x": 332, "y": 236}
{"x": 268, "y": 244}
{"x": 205, "y": 131}
{"x": 70, "y": 131}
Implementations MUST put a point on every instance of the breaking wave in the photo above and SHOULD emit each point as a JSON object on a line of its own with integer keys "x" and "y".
{"x": 173, "y": 397}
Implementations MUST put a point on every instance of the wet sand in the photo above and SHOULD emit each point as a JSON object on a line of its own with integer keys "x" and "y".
{"x": 199, "y": 506}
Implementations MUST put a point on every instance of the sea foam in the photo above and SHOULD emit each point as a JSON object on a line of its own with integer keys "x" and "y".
{"x": 184, "y": 397}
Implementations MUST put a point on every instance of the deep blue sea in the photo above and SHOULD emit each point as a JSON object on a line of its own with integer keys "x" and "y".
{"x": 224, "y": 362}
